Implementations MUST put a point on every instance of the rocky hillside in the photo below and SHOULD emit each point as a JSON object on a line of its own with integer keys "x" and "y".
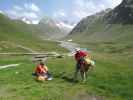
{"x": 122, "y": 13}
{"x": 108, "y": 26}
{"x": 50, "y": 28}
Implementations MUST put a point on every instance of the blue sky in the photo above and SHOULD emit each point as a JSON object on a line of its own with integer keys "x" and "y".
{"x": 70, "y": 10}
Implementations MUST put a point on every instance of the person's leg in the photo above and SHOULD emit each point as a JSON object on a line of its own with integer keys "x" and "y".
{"x": 88, "y": 67}
{"x": 78, "y": 68}
{"x": 49, "y": 75}
{"x": 34, "y": 74}
{"x": 76, "y": 71}
{"x": 82, "y": 72}
{"x": 84, "y": 69}
{"x": 82, "y": 75}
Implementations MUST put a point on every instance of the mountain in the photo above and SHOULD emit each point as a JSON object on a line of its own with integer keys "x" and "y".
{"x": 17, "y": 36}
{"x": 14, "y": 26}
{"x": 50, "y": 28}
{"x": 65, "y": 25}
{"x": 45, "y": 28}
{"x": 122, "y": 14}
{"x": 107, "y": 26}
{"x": 54, "y": 29}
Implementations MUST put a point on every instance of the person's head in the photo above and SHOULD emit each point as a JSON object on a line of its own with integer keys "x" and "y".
{"x": 77, "y": 49}
{"x": 41, "y": 63}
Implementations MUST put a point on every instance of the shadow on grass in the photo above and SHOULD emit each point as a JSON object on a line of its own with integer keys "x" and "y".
{"x": 71, "y": 80}
{"x": 64, "y": 76}
{"x": 59, "y": 76}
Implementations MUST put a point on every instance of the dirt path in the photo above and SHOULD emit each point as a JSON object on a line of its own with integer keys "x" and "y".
{"x": 69, "y": 45}
{"x": 26, "y": 48}
{"x": 65, "y": 44}
{"x": 10, "y": 65}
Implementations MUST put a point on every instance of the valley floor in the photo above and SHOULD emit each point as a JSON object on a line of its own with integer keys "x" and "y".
{"x": 111, "y": 79}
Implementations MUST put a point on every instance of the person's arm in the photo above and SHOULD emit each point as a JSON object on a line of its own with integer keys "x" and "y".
{"x": 37, "y": 70}
{"x": 42, "y": 70}
{"x": 46, "y": 68}
{"x": 88, "y": 55}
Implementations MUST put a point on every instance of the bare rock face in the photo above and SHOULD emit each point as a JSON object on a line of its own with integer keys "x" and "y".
{"x": 100, "y": 26}
{"x": 122, "y": 14}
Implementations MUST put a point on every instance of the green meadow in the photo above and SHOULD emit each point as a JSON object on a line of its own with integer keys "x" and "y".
{"x": 111, "y": 79}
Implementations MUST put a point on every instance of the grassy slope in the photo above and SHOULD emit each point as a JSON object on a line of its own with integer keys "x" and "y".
{"x": 101, "y": 32}
{"x": 107, "y": 26}
{"x": 115, "y": 38}
{"x": 14, "y": 33}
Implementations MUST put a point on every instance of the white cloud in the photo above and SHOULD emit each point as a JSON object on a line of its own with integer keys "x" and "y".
{"x": 61, "y": 16}
{"x": 26, "y": 21}
{"x": 32, "y": 7}
{"x": 78, "y": 10}
{"x": 35, "y": 21}
{"x": 30, "y": 12}
{"x": 80, "y": 14}
{"x": 114, "y": 3}
{"x": 30, "y": 15}
{"x": 35, "y": 7}
{"x": 1, "y": 12}
{"x": 18, "y": 7}
{"x": 64, "y": 25}
{"x": 13, "y": 14}
{"x": 60, "y": 13}
{"x": 85, "y": 8}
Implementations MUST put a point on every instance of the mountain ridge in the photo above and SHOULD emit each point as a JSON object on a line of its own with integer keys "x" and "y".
{"x": 15, "y": 32}
{"x": 104, "y": 28}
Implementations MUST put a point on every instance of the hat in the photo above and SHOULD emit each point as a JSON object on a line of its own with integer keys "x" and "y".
{"x": 77, "y": 49}
{"x": 41, "y": 63}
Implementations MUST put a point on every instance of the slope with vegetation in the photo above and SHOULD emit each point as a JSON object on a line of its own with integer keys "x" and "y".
{"x": 110, "y": 30}
{"x": 16, "y": 35}
{"x": 108, "y": 26}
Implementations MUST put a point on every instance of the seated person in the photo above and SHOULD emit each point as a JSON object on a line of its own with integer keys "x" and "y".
{"x": 42, "y": 71}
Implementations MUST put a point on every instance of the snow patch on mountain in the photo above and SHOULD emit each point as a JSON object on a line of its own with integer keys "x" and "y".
{"x": 27, "y": 21}
{"x": 65, "y": 25}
